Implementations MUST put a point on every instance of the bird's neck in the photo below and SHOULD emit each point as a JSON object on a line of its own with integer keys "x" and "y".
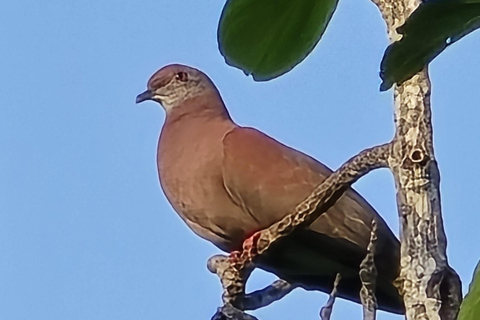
{"x": 209, "y": 106}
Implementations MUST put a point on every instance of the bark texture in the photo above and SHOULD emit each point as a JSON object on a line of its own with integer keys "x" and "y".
{"x": 431, "y": 289}
{"x": 368, "y": 277}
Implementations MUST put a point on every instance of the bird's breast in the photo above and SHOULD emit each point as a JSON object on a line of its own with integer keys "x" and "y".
{"x": 190, "y": 171}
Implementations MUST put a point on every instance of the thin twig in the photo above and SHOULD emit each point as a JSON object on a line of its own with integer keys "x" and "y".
{"x": 232, "y": 277}
{"x": 326, "y": 310}
{"x": 261, "y": 298}
{"x": 220, "y": 265}
{"x": 368, "y": 277}
{"x": 229, "y": 312}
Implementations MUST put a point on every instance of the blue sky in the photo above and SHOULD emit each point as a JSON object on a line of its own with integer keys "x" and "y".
{"x": 85, "y": 231}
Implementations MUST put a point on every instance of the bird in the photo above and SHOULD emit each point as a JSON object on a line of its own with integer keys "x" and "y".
{"x": 227, "y": 182}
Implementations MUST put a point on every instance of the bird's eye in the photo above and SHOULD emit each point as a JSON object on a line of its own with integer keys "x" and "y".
{"x": 182, "y": 76}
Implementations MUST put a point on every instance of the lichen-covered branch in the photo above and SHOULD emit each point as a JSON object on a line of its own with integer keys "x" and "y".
{"x": 261, "y": 298}
{"x": 229, "y": 312}
{"x": 368, "y": 277}
{"x": 326, "y": 310}
{"x": 240, "y": 265}
{"x": 220, "y": 265}
{"x": 431, "y": 289}
{"x": 424, "y": 264}
{"x": 233, "y": 278}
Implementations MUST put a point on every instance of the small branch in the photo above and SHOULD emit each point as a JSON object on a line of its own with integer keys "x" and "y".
{"x": 261, "y": 298}
{"x": 233, "y": 278}
{"x": 368, "y": 277}
{"x": 229, "y": 312}
{"x": 326, "y": 310}
{"x": 234, "y": 275}
{"x": 220, "y": 265}
{"x": 451, "y": 299}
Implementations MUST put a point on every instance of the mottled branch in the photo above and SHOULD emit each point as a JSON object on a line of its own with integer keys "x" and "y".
{"x": 430, "y": 288}
{"x": 326, "y": 310}
{"x": 233, "y": 278}
{"x": 261, "y": 298}
{"x": 221, "y": 265}
{"x": 229, "y": 312}
{"x": 368, "y": 277}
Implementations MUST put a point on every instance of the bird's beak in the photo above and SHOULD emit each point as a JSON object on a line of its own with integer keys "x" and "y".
{"x": 147, "y": 95}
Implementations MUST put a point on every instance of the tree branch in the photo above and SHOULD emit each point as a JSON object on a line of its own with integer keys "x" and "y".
{"x": 431, "y": 289}
{"x": 368, "y": 277}
{"x": 326, "y": 310}
{"x": 219, "y": 264}
{"x": 229, "y": 312}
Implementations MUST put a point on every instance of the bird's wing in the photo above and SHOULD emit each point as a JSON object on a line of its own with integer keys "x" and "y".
{"x": 266, "y": 178}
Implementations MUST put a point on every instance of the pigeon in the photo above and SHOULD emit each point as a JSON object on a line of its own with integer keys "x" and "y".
{"x": 227, "y": 182}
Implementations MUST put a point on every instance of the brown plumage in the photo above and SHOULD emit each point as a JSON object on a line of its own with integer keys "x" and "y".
{"x": 227, "y": 182}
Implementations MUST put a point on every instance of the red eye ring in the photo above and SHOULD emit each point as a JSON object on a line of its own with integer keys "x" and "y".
{"x": 182, "y": 76}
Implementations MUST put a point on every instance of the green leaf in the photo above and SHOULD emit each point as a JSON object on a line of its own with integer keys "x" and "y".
{"x": 470, "y": 307}
{"x": 432, "y": 27}
{"x": 267, "y": 38}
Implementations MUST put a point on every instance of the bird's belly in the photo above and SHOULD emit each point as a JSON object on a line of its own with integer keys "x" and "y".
{"x": 202, "y": 202}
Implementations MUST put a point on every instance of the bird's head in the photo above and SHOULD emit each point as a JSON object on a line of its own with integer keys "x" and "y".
{"x": 173, "y": 84}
